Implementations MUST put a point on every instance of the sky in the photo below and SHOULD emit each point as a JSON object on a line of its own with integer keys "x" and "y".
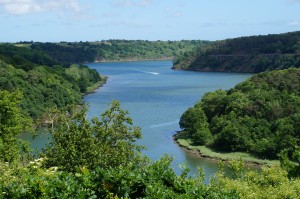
{"x": 96, "y": 20}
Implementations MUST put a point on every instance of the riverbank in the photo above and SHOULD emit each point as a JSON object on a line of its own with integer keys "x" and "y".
{"x": 208, "y": 153}
{"x": 92, "y": 88}
{"x": 135, "y": 59}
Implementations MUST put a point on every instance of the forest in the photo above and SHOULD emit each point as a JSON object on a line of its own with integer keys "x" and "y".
{"x": 44, "y": 83}
{"x": 100, "y": 158}
{"x": 258, "y": 116}
{"x": 115, "y": 50}
{"x": 252, "y": 54}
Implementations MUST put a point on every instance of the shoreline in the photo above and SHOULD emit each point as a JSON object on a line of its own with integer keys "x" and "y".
{"x": 184, "y": 144}
{"x": 204, "y": 152}
{"x": 93, "y": 88}
{"x": 135, "y": 60}
{"x": 212, "y": 71}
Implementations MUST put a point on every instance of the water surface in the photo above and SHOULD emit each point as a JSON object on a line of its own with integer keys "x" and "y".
{"x": 156, "y": 97}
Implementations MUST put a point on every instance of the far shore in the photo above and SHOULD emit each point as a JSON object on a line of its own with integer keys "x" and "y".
{"x": 135, "y": 60}
{"x": 205, "y": 152}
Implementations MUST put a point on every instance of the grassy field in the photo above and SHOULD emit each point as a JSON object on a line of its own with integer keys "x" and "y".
{"x": 208, "y": 153}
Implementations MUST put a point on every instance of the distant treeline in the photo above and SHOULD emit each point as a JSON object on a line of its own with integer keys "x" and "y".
{"x": 114, "y": 50}
{"x": 246, "y": 54}
{"x": 23, "y": 57}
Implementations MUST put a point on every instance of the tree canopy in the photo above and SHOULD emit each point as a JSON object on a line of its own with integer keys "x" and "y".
{"x": 259, "y": 115}
{"x": 106, "y": 142}
{"x": 12, "y": 123}
{"x": 46, "y": 88}
{"x": 252, "y": 54}
{"x": 116, "y": 50}
{"x": 100, "y": 160}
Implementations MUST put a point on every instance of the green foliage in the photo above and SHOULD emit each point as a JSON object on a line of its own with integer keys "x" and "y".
{"x": 194, "y": 123}
{"x": 270, "y": 182}
{"x": 259, "y": 116}
{"x": 109, "y": 142}
{"x": 12, "y": 123}
{"x": 291, "y": 162}
{"x": 115, "y": 50}
{"x": 143, "y": 180}
{"x": 28, "y": 55}
{"x": 136, "y": 180}
{"x": 215, "y": 103}
{"x": 24, "y": 58}
{"x": 43, "y": 89}
{"x": 46, "y": 88}
{"x": 246, "y": 54}
{"x": 99, "y": 158}
{"x": 72, "y": 169}
{"x": 66, "y": 54}
{"x": 83, "y": 75}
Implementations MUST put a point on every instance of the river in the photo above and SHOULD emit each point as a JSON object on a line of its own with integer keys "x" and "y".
{"x": 156, "y": 97}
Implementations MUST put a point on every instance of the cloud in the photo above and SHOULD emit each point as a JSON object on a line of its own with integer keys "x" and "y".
{"x": 22, "y": 7}
{"x": 133, "y": 3}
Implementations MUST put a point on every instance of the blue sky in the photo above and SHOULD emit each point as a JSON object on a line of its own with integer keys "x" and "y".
{"x": 92, "y": 20}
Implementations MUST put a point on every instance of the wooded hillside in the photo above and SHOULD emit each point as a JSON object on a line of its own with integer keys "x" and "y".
{"x": 245, "y": 54}
{"x": 44, "y": 84}
{"x": 260, "y": 116}
{"x": 115, "y": 50}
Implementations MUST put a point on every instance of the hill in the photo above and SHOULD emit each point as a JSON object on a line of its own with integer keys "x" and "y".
{"x": 259, "y": 116}
{"x": 252, "y": 54}
{"x": 24, "y": 57}
{"x": 44, "y": 83}
{"x": 115, "y": 50}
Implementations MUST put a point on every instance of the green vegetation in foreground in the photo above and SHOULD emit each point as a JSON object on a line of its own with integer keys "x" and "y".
{"x": 246, "y": 54}
{"x": 99, "y": 159}
{"x": 209, "y": 153}
{"x": 259, "y": 116}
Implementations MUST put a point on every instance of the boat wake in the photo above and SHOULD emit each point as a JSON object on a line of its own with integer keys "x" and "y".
{"x": 149, "y": 72}
{"x": 163, "y": 124}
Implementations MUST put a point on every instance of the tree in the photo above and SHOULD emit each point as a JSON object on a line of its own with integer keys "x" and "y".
{"x": 259, "y": 116}
{"x": 106, "y": 142}
{"x": 291, "y": 163}
{"x": 194, "y": 123}
{"x": 213, "y": 103}
{"x": 12, "y": 123}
